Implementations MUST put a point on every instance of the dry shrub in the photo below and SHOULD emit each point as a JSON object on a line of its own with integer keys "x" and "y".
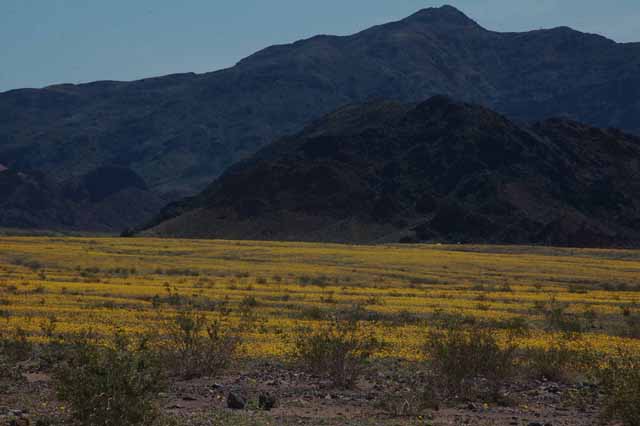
{"x": 632, "y": 326}
{"x": 557, "y": 362}
{"x": 15, "y": 345}
{"x": 620, "y": 382}
{"x": 339, "y": 350}
{"x": 198, "y": 347}
{"x": 110, "y": 385}
{"x": 557, "y": 319}
{"x": 460, "y": 354}
{"x": 412, "y": 400}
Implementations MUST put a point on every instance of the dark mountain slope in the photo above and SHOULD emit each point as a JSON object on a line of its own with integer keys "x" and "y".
{"x": 179, "y": 132}
{"x": 435, "y": 171}
{"x": 107, "y": 199}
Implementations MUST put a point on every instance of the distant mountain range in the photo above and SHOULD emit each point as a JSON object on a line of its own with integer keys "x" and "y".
{"x": 179, "y": 132}
{"x": 435, "y": 171}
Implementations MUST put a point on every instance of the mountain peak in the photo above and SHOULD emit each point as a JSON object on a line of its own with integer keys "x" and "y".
{"x": 442, "y": 15}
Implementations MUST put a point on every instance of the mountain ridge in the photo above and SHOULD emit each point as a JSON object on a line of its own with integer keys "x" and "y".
{"x": 181, "y": 131}
{"x": 434, "y": 171}
{"x": 108, "y": 199}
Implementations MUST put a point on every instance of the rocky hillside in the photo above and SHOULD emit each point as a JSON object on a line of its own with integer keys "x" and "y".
{"x": 108, "y": 199}
{"x": 435, "y": 171}
{"x": 179, "y": 132}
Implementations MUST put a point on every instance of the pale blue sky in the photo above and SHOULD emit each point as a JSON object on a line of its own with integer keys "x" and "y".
{"x": 52, "y": 41}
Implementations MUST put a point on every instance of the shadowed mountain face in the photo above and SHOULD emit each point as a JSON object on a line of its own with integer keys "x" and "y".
{"x": 179, "y": 132}
{"x": 435, "y": 171}
{"x": 107, "y": 199}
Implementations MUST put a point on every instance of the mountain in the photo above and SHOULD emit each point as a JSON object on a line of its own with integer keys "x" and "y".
{"x": 180, "y": 131}
{"x": 439, "y": 170}
{"x": 107, "y": 199}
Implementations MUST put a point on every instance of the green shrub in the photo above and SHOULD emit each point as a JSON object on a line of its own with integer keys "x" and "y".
{"x": 620, "y": 382}
{"x": 339, "y": 350}
{"x": 461, "y": 353}
{"x": 198, "y": 347}
{"x": 632, "y": 326}
{"x": 557, "y": 318}
{"x": 15, "y": 345}
{"x": 248, "y": 312}
{"x": 356, "y": 313}
{"x": 248, "y": 302}
{"x": 312, "y": 312}
{"x": 446, "y": 319}
{"x": 48, "y": 326}
{"x": 320, "y": 281}
{"x": 506, "y": 287}
{"x": 516, "y": 327}
{"x": 557, "y": 362}
{"x": 110, "y": 385}
{"x": 404, "y": 317}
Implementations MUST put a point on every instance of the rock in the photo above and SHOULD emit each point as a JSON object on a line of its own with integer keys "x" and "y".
{"x": 175, "y": 407}
{"x": 9, "y": 417}
{"x": 266, "y": 401}
{"x": 235, "y": 401}
{"x": 17, "y": 421}
{"x": 553, "y": 389}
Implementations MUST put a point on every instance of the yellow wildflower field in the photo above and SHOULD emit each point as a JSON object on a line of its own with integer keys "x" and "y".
{"x": 270, "y": 289}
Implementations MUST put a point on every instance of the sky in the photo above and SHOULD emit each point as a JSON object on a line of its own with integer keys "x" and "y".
{"x": 45, "y": 42}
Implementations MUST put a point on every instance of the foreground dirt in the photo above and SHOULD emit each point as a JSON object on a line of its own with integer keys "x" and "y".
{"x": 385, "y": 396}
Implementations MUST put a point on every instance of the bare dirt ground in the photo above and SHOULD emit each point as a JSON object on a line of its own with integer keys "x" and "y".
{"x": 384, "y": 396}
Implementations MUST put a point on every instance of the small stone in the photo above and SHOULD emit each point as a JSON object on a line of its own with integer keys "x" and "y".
{"x": 266, "y": 401}
{"x": 236, "y": 402}
{"x": 175, "y": 407}
{"x": 553, "y": 389}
